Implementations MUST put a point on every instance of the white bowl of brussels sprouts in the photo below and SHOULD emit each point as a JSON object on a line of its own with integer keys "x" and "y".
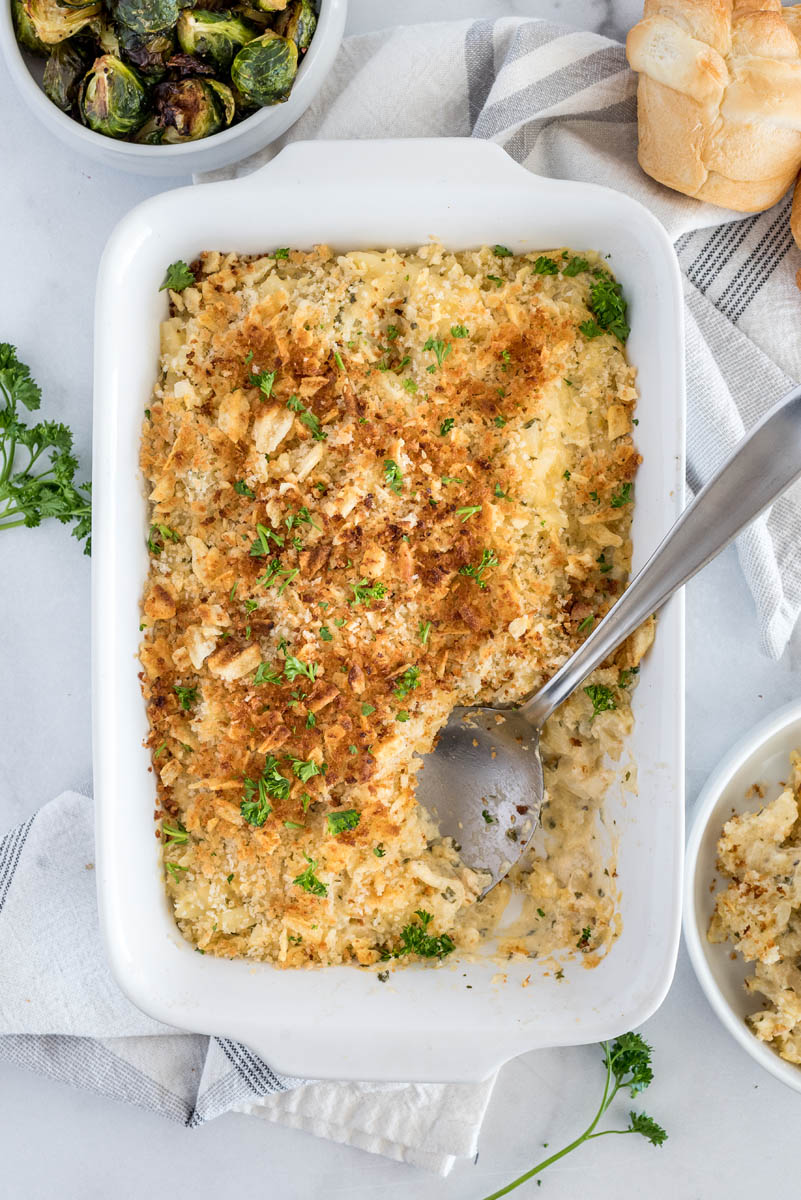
{"x": 168, "y": 87}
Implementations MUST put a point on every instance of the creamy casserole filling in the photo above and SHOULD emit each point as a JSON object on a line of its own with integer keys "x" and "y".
{"x": 381, "y": 483}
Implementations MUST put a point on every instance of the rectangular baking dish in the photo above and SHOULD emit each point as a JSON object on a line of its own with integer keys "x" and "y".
{"x": 461, "y": 1021}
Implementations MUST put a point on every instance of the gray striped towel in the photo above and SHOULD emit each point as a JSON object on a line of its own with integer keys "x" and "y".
{"x": 562, "y": 102}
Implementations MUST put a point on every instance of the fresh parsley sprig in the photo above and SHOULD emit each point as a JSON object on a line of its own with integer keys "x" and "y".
{"x": 628, "y": 1065}
{"x": 31, "y": 493}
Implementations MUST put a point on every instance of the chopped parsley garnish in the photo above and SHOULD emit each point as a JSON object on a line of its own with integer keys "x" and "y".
{"x": 364, "y": 592}
{"x": 604, "y": 566}
{"x": 301, "y": 517}
{"x": 407, "y": 682}
{"x": 341, "y": 822}
{"x": 338, "y": 360}
{"x": 266, "y": 674}
{"x": 451, "y": 479}
{"x": 584, "y": 941}
{"x": 410, "y": 385}
{"x": 459, "y": 331}
{"x": 326, "y": 634}
{"x": 446, "y": 426}
{"x": 159, "y": 750}
{"x": 545, "y": 266}
{"x": 165, "y": 533}
{"x": 501, "y": 252}
{"x": 293, "y": 667}
{"x": 293, "y": 825}
{"x": 415, "y": 939}
{"x": 242, "y": 489}
{"x": 622, "y": 497}
{"x": 307, "y": 418}
{"x": 576, "y": 266}
{"x": 402, "y": 715}
{"x": 590, "y": 329}
{"x": 178, "y": 277}
{"x": 251, "y": 605}
{"x": 587, "y": 623}
{"x": 264, "y": 381}
{"x": 500, "y": 421}
{"x": 608, "y": 306}
{"x": 255, "y": 804}
{"x": 392, "y": 332}
{"x": 501, "y": 494}
{"x": 379, "y": 850}
{"x": 282, "y": 253}
{"x": 566, "y": 474}
{"x": 603, "y": 698}
{"x": 488, "y": 817}
{"x": 392, "y": 476}
{"x": 261, "y": 546}
{"x": 311, "y": 720}
{"x": 367, "y": 709}
{"x": 626, "y": 675}
{"x": 496, "y": 279}
{"x": 274, "y": 571}
{"x": 175, "y": 869}
{"x": 488, "y": 559}
{"x": 174, "y": 834}
{"x": 468, "y": 511}
{"x": 440, "y": 349}
{"x": 540, "y": 912}
{"x": 306, "y": 769}
{"x": 423, "y": 631}
{"x": 309, "y": 881}
{"x": 186, "y": 696}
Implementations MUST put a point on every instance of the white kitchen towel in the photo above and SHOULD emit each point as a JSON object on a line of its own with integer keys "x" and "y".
{"x": 62, "y": 1014}
{"x": 563, "y": 103}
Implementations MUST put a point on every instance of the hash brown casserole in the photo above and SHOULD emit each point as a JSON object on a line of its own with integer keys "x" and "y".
{"x": 760, "y": 911}
{"x": 381, "y": 484}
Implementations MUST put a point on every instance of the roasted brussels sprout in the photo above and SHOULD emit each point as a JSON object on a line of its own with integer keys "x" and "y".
{"x": 263, "y": 71}
{"x": 105, "y": 35}
{"x": 213, "y": 35}
{"x": 24, "y": 30}
{"x": 297, "y": 22}
{"x": 113, "y": 99}
{"x": 190, "y": 109}
{"x": 148, "y": 52}
{"x": 64, "y": 71}
{"x": 270, "y": 6}
{"x": 55, "y": 22}
{"x": 147, "y": 16}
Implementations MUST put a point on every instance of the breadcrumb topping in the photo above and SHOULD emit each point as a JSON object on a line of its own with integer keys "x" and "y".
{"x": 381, "y": 484}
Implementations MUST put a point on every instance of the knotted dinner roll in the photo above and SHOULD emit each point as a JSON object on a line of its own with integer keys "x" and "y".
{"x": 719, "y": 98}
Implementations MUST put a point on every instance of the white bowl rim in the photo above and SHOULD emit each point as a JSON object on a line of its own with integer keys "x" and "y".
{"x": 708, "y": 800}
{"x": 328, "y": 21}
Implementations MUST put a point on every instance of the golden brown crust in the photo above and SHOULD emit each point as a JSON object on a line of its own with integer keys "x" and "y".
{"x": 316, "y": 591}
{"x": 719, "y": 98}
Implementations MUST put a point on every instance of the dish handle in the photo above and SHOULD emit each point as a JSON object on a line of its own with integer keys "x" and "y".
{"x": 366, "y": 163}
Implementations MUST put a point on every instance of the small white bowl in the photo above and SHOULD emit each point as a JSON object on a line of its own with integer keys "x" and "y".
{"x": 763, "y": 757}
{"x": 221, "y": 149}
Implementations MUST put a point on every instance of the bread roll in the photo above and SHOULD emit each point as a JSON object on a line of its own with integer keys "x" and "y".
{"x": 719, "y": 98}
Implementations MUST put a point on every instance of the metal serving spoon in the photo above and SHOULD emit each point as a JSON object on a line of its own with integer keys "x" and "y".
{"x": 488, "y": 759}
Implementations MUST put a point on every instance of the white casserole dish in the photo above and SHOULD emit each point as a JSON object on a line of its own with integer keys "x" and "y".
{"x": 458, "y": 1022}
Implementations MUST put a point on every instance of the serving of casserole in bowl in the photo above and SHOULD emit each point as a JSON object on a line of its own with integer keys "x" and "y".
{"x": 388, "y": 468}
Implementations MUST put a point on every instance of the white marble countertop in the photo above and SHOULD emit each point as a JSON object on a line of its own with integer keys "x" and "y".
{"x": 727, "y": 1120}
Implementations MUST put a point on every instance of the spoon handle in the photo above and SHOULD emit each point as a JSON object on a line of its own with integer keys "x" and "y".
{"x": 761, "y": 467}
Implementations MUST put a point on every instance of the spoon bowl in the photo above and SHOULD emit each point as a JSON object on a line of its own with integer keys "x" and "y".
{"x": 483, "y": 785}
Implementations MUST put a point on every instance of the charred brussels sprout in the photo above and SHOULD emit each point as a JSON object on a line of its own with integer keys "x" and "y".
{"x": 24, "y": 29}
{"x": 64, "y": 70}
{"x": 54, "y": 22}
{"x": 113, "y": 99}
{"x": 190, "y": 109}
{"x": 146, "y": 16}
{"x": 213, "y": 35}
{"x": 263, "y": 71}
{"x": 270, "y": 6}
{"x": 297, "y": 22}
{"x": 148, "y": 52}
